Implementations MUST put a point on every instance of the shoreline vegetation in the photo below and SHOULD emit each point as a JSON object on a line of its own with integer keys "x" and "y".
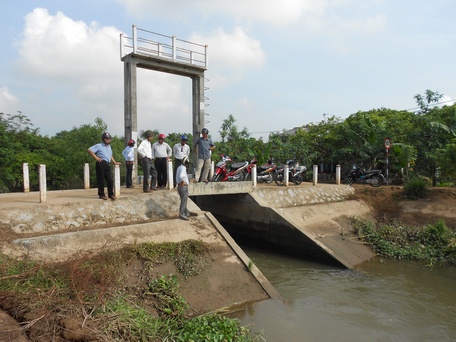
{"x": 94, "y": 298}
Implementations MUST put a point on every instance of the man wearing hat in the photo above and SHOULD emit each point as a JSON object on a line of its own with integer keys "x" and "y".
{"x": 203, "y": 148}
{"x": 180, "y": 150}
{"x": 129, "y": 156}
{"x": 182, "y": 188}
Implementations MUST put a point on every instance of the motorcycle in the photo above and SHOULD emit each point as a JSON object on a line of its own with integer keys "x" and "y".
{"x": 235, "y": 171}
{"x": 359, "y": 175}
{"x": 295, "y": 173}
{"x": 265, "y": 172}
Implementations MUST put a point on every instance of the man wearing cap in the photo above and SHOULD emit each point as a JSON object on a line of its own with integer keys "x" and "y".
{"x": 180, "y": 150}
{"x": 129, "y": 156}
{"x": 182, "y": 188}
{"x": 102, "y": 153}
{"x": 203, "y": 149}
{"x": 162, "y": 152}
{"x": 148, "y": 166}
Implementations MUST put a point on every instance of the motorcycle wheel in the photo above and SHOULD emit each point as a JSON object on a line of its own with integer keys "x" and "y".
{"x": 298, "y": 179}
{"x": 216, "y": 178}
{"x": 376, "y": 181}
{"x": 279, "y": 180}
{"x": 348, "y": 180}
{"x": 269, "y": 179}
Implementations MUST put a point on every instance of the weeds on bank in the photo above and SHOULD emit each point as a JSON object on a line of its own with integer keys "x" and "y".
{"x": 131, "y": 322}
{"x": 93, "y": 287}
{"x": 433, "y": 244}
{"x": 416, "y": 188}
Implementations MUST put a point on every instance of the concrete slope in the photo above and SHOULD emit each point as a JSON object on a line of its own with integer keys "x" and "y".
{"x": 328, "y": 225}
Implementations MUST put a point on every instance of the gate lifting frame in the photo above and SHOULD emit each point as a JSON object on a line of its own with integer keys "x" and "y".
{"x": 159, "y": 45}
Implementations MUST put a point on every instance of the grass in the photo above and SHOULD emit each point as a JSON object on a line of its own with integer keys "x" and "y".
{"x": 433, "y": 244}
{"x": 93, "y": 290}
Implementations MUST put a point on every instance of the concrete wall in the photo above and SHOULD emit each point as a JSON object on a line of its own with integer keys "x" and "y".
{"x": 298, "y": 221}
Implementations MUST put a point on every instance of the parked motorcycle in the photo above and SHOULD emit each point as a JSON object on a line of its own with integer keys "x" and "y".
{"x": 295, "y": 173}
{"x": 233, "y": 172}
{"x": 359, "y": 175}
{"x": 265, "y": 172}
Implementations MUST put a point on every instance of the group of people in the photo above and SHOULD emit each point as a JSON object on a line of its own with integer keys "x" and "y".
{"x": 154, "y": 159}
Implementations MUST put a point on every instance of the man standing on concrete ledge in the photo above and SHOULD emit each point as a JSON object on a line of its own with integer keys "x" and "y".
{"x": 203, "y": 149}
{"x": 180, "y": 150}
{"x": 182, "y": 188}
{"x": 102, "y": 153}
{"x": 129, "y": 156}
{"x": 148, "y": 167}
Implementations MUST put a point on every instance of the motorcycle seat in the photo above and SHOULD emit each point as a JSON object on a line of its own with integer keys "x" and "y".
{"x": 238, "y": 165}
{"x": 265, "y": 167}
{"x": 371, "y": 171}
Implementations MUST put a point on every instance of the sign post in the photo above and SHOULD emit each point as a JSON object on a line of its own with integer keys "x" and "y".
{"x": 387, "y": 147}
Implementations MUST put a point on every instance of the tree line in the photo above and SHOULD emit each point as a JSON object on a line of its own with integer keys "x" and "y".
{"x": 423, "y": 145}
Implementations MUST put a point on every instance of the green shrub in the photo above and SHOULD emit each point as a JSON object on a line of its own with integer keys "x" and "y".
{"x": 416, "y": 188}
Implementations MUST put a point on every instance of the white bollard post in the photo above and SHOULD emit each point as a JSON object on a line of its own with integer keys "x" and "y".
{"x": 211, "y": 172}
{"x": 116, "y": 180}
{"x": 338, "y": 174}
{"x": 169, "y": 170}
{"x": 86, "y": 176}
{"x": 315, "y": 174}
{"x": 253, "y": 174}
{"x": 42, "y": 175}
{"x": 25, "y": 173}
{"x": 286, "y": 178}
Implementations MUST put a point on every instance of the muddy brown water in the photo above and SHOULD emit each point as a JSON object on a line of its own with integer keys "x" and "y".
{"x": 384, "y": 300}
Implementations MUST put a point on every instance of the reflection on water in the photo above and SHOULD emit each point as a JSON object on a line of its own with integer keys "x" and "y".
{"x": 383, "y": 300}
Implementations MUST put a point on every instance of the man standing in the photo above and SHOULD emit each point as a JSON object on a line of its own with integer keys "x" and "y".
{"x": 180, "y": 150}
{"x": 102, "y": 153}
{"x": 182, "y": 188}
{"x": 203, "y": 148}
{"x": 148, "y": 167}
{"x": 129, "y": 156}
{"x": 162, "y": 152}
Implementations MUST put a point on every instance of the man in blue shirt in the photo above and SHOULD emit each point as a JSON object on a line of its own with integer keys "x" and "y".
{"x": 203, "y": 148}
{"x": 102, "y": 153}
{"x": 129, "y": 155}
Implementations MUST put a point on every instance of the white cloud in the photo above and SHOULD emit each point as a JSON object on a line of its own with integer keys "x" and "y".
{"x": 9, "y": 104}
{"x": 236, "y": 50}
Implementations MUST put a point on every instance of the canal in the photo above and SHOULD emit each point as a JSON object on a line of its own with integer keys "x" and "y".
{"x": 383, "y": 300}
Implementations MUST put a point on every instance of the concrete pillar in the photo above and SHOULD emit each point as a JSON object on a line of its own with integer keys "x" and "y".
{"x": 315, "y": 174}
{"x": 25, "y": 173}
{"x": 86, "y": 176}
{"x": 169, "y": 170}
{"x": 286, "y": 171}
{"x": 42, "y": 175}
{"x": 116, "y": 180}
{"x": 131, "y": 107}
{"x": 254, "y": 176}
{"x": 338, "y": 174}
{"x": 197, "y": 109}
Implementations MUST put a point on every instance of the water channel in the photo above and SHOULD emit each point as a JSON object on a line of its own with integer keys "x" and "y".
{"x": 384, "y": 300}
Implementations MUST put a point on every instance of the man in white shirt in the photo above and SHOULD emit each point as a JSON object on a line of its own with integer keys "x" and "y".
{"x": 182, "y": 188}
{"x": 148, "y": 166}
{"x": 162, "y": 152}
{"x": 180, "y": 150}
{"x": 129, "y": 155}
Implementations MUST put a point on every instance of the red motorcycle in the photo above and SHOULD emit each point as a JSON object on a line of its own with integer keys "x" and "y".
{"x": 233, "y": 172}
{"x": 265, "y": 173}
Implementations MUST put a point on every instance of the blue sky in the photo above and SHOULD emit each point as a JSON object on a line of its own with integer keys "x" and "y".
{"x": 274, "y": 65}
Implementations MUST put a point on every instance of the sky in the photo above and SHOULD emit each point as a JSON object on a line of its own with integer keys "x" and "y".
{"x": 273, "y": 65}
